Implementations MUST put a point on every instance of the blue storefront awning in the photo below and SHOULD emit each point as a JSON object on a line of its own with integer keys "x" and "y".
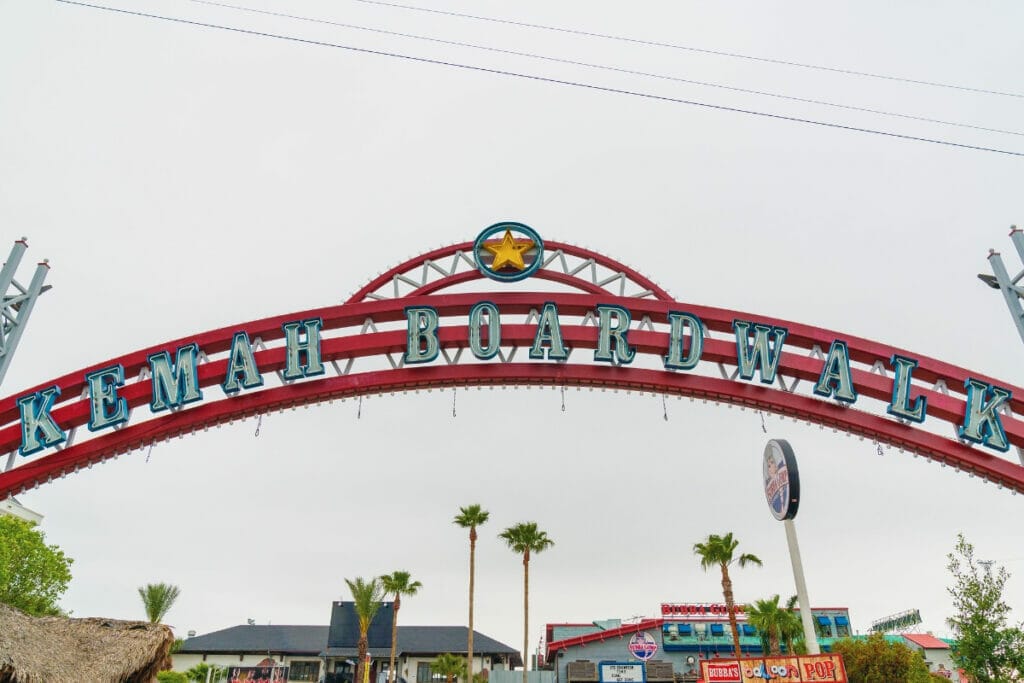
{"x": 684, "y": 629}
{"x": 841, "y": 621}
{"x": 824, "y": 621}
{"x": 717, "y": 630}
{"x": 748, "y": 630}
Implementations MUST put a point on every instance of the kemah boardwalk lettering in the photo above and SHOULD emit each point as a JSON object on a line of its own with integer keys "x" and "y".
{"x": 611, "y": 327}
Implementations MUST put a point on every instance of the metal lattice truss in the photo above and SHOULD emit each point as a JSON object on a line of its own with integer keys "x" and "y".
{"x": 17, "y": 302}
{"x": 363, "y": 348}
{"x": 572, "y": 266}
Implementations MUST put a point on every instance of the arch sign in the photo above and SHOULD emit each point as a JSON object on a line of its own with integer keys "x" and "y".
{"x": 594, "y": 323}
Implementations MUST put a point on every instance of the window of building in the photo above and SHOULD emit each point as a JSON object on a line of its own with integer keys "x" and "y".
{"x": 842, "y": 627}
{"x": 425, "y": 675}
{"x": 304, "y": 671}
{"x": 824, "y": 627}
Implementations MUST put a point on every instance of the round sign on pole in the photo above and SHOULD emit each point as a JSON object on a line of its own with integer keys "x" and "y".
{"x": 781, "y": 479}
{"x": 642, "y": 645}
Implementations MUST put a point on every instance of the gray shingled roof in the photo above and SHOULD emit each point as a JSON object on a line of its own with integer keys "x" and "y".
{"x": 260, "y": 638}
{"x": 435, "y": 639}
{"x": 313, "y": 640}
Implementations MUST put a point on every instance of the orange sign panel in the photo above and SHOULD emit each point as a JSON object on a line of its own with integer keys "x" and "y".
{"x": 799, "y": 669}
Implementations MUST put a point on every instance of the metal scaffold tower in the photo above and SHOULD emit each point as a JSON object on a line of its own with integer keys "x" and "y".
{"x": 18, "y": 302}
{"x": 15, "y": 310}
{"x": 1011, "y": 287}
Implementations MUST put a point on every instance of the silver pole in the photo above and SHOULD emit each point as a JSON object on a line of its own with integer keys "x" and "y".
{"x": 801, "y": 589}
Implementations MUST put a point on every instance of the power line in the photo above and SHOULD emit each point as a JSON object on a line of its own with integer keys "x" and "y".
{"x": 603, "y": 67}
{"x": 688, "y": 48}
{"x": 543, "y": 79}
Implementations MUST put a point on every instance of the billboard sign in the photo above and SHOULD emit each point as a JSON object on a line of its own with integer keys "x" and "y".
{"x": 642, "y": 645}
{"x": 699, "y": 609}
{"x": 802, "y": 669}
{"x": 621, "y": 672}
{"x": 720, "y": 671}
{"x": 781, "y": 479}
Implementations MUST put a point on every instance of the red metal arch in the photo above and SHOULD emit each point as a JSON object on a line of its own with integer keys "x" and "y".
{"x": 552, "y": 251}
{"x": 72, "y": 412}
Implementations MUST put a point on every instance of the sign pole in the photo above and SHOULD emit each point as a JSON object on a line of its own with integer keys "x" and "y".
{"x": 801, "y": 588}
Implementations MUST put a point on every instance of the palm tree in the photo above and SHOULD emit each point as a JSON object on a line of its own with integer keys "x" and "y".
{"x": 792, "y": 629}
{"x": 526, "y": 538}
{"x": 719, "y": 551}
{"x": 470, "y": 517}
{"x": 157, "y": 600}
{"x": 398, "y": 584}
{"x": 367, "y": 596}
{"x": 448, "y": 665}
{"x": 768, "y": 618}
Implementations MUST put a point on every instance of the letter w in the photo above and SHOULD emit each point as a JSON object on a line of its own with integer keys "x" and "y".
{"x": 760, "y": 356}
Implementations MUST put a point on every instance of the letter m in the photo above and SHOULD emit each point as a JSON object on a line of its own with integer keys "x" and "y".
{"x": 177, "y": 383}
{"x": 763, "y": 354}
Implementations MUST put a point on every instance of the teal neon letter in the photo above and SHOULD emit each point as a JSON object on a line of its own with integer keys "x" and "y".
{"x": 605, "y": 351}
{"x": 106, "y": 408}
{"x": 421, "y": 344}
{"x": 35, "y": 419}
{"x": 175, "y": 384}
{"x": 549, "y": 333}
{"x": 836, "y": 380}
{"x": 294, "y": 369}
{"x": 679, "y": 322}
{"x": 241, "y": 361}
{"x": 476, "y": 344}
{"x": 900, "y": 404}
{"x": 759, "y": 356}
{"x": 981, "y": 421}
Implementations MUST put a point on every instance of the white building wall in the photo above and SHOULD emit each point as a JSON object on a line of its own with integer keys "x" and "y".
{"x": 409, "y": 666}
{"x": 184, "y": 662}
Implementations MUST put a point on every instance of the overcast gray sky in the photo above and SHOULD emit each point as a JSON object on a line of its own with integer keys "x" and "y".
{"x": 182, "y": 179}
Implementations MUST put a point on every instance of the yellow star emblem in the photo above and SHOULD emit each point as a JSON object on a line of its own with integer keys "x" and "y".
{"x": 509, "y": 252}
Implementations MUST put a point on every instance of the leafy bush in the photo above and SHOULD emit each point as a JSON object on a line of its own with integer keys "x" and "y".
{"x": 171, "y": 677}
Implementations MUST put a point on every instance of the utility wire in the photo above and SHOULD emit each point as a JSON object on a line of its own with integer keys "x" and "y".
{"x": 689, "y": 48}
{"x": 603, "y": 67}
{"x": 542, "y": 79}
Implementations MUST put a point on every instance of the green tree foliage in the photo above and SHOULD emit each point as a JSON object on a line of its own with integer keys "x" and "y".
{"x": 470, "y": 517}
{"x": 720, "y": 551}
{"x": 367, "y": 598}
{"x": 768, "y": 618}
{"x": 876, "y": 660}
{"x": 202, "y": 670}
{"x": 986, "y": 647}
{"x": 397, "y": 584}
{"x": 791, "y": 628}
{"x": 450, "y": 666}
{"x": 171, "y": 677}
{"x": 525, "y": 538}
{"x": 157, "y": 600}
{"x": 33, "y": 575}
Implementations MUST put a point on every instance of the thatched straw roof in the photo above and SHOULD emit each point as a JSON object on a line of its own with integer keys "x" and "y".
{"x": 44, "y": 649}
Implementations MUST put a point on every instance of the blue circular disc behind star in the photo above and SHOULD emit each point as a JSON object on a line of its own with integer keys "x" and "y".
{"x": 513, "y": 258}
